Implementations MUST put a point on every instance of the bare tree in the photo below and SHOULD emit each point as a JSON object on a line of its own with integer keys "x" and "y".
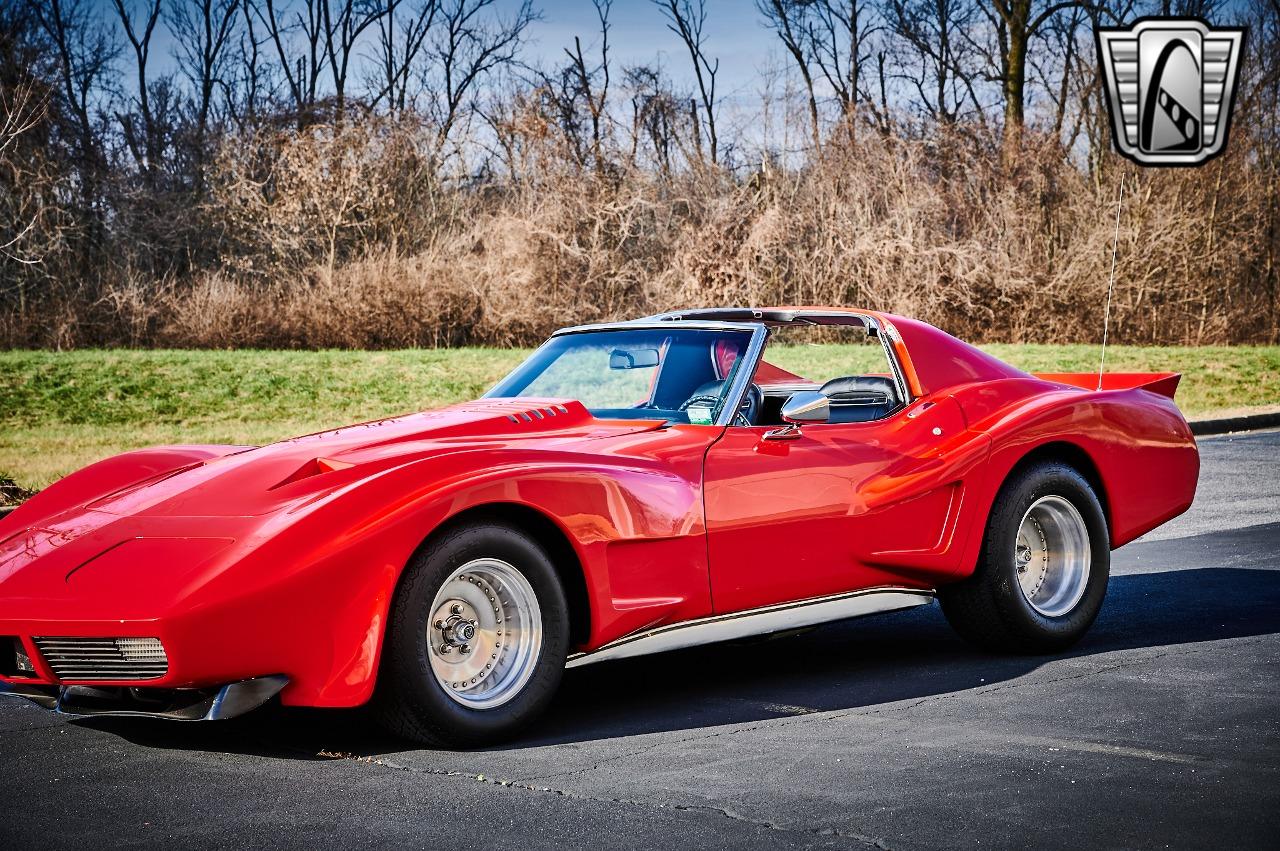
{"x": 242, "y": 89}
{"x": 1206, "y": 9}
{"x": 1058, "y": 70}
{"x": 145, "y": 142}
{"x": 827, "y": 40}
{"x": 839, "y": 37}
{"x": 789, "y": 21}
{"x": 344, "y": 22}
{"x": 655, "y": 117}
{"x": 595, "y": 96}
{"x": 931, "y": 55}
{"x": 301, "y": 69}
{"x": 575, "y": 97}
{"x": 202, "y": 30}
{"x": 85, "y": 51}
{"x": 687, "y": 19}
{"x": 1261, "y": 105}
{"x": 1016, "y": 23}
{"x": 402, "y": 35}
{"x": 22, "y": 108}
{"x": 471, "y": 43}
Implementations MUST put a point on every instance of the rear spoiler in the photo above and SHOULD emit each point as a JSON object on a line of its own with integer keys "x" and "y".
{"x": 1164, "y": 383}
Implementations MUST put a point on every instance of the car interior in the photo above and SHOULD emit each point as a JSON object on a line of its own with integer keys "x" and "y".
{"x": 680, "y": 375}
{"x": 853, "y": 398}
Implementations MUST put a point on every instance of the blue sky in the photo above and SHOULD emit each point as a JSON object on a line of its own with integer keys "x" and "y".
{"x": 639, "y": 34}
{"x": 734, "y": 32}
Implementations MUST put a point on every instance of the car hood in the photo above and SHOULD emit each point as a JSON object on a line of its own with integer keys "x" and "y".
{"x": 186, "y": 516}
{"x": 268, "y": 478}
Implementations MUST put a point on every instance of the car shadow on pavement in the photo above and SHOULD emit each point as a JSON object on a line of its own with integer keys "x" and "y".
{"x": 850, "y": 665}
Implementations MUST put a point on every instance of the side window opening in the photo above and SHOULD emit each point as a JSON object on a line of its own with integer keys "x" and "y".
{"x": 846, "y": 363}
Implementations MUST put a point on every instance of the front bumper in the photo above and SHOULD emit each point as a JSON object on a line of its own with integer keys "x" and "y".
{"x": 207, "y": 704}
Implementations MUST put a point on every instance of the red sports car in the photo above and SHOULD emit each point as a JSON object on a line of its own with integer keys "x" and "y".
{"x": 630, "y": 488}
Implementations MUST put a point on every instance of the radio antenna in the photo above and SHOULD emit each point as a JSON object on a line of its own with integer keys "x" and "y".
{"x": 1111, "y": 283}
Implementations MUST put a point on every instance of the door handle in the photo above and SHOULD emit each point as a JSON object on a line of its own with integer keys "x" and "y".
{"x": 924, "y": 406}
{"x": 790, "y": 431}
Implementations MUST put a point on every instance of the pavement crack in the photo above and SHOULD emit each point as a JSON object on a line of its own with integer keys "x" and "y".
{"x": 769, "y": 825}
{"x": 774, "y": 723}
{"x": 574, "y": 772}
{"x": 540, "y": 783}
{"x": 1009, "y": 686}
{"x": 528, "y": 786}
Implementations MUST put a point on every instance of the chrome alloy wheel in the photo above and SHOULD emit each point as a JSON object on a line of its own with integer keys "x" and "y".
{"x": 1052, "y": 556}
{"x": 485, "y": 633}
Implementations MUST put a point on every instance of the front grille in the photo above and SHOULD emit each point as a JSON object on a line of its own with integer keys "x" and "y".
{"x": 105, "y": 659}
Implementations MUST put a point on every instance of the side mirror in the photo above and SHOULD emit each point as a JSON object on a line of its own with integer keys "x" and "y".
{"x": 807, "y": 406}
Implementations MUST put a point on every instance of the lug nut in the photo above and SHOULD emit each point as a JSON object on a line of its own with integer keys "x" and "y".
{"x": 466, "y": 648}
{"x": 456, "y": 608}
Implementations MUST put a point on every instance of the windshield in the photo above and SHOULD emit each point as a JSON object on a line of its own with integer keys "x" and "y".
{"x": 680, "y": 375}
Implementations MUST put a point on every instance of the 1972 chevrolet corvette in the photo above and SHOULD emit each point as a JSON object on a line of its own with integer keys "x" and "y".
{"x": 630, "y": 488}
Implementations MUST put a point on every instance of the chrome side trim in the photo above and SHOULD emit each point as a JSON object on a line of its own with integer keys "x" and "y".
{"x": 762, "y": 621}
{"x": 212, "y": 704}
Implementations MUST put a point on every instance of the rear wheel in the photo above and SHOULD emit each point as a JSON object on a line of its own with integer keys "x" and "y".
{"x": 1043, "y": 569}
{"x": 477, "y": 639}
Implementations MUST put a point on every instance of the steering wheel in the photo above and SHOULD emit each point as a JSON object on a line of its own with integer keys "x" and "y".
{"x": 708, "y": 395}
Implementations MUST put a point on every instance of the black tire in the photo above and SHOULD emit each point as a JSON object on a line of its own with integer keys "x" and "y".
{"x": 989, "y": 608}
{"x": 410, "y": 701}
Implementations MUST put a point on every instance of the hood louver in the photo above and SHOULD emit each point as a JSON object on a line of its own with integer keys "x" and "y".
{"x": 538, "y": 413}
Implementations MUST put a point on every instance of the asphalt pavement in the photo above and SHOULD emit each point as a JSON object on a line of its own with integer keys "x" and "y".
{"x": 1161, "y": 729}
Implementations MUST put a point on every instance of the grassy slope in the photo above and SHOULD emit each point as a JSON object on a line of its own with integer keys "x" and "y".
{"x": 59, "y": 411}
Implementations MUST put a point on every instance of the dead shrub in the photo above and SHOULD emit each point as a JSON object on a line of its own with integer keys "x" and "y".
{"x": 344, "y": 237}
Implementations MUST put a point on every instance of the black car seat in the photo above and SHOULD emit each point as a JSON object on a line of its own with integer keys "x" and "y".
{"x": 861, "y": 398}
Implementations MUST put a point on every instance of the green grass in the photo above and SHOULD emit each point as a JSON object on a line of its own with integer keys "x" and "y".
{"x": 60, "y": 411}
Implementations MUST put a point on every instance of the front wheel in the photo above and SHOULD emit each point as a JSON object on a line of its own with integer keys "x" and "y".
{"x": 1043, "y": 569}
{"x": 477, "y": 639}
